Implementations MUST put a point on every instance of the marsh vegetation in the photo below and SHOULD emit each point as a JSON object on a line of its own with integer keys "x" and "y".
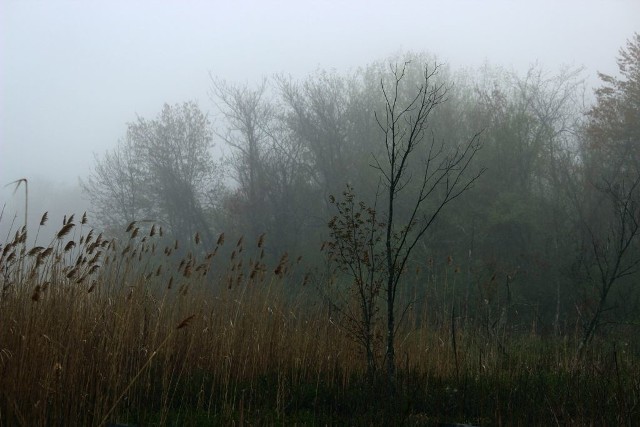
{"x": 403, "y": 245}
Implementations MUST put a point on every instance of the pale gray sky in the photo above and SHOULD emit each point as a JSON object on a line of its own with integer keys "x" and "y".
{"x": 73, "y": 73}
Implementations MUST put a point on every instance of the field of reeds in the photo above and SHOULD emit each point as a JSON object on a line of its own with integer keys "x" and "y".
{"x": 141, "y": 330}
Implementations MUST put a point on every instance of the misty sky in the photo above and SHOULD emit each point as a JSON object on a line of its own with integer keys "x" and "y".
{"x": 73, "y": 73}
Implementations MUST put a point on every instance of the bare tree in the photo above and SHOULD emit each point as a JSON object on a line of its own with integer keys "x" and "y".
{"x": 610, "y": 246}
{"x": 274, "y": 193}
{"x": 374, "y": 245}
{"x": 317, "y": 113}
{"x": 532, "y": 123}
{"x": 115, "y": 188}
{"x": 248, "y": 115}
{"x": 443, "y": 175}
{"x": 290, "y": 196}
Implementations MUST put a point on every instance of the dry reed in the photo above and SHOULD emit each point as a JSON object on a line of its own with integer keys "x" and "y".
{"x": 128, "y": 330}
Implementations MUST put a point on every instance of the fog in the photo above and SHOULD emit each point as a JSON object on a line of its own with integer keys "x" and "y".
{"x": 73, "y": 73}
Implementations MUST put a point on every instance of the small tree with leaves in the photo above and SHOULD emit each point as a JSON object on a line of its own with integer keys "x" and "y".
{"x": 355, "y": 241}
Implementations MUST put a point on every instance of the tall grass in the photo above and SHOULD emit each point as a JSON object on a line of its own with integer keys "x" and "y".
{"x": 144, "y": 331}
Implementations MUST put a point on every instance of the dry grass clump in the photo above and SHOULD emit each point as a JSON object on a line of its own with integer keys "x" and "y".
{"x": 142, "y": 330}
{"x": 97, "y": 329}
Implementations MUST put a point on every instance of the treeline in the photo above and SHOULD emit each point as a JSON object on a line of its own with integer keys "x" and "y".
{"x": 545, "y": 240}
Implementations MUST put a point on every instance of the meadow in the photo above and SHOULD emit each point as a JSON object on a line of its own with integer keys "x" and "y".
{"x": 143, "y": 330}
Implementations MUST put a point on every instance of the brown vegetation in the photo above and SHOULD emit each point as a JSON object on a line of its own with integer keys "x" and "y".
{"x": 124, "y": 330}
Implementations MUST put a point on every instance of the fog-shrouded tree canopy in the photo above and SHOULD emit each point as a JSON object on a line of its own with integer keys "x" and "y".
{"x": 292, "y": 143}
{"x": 403, "y": 171}
{"x": 162, "y": 171}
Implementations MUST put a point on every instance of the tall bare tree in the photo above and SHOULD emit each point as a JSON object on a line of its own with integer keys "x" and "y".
{"x": 444, "y": 175}
{"x": 419, "y": 176}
